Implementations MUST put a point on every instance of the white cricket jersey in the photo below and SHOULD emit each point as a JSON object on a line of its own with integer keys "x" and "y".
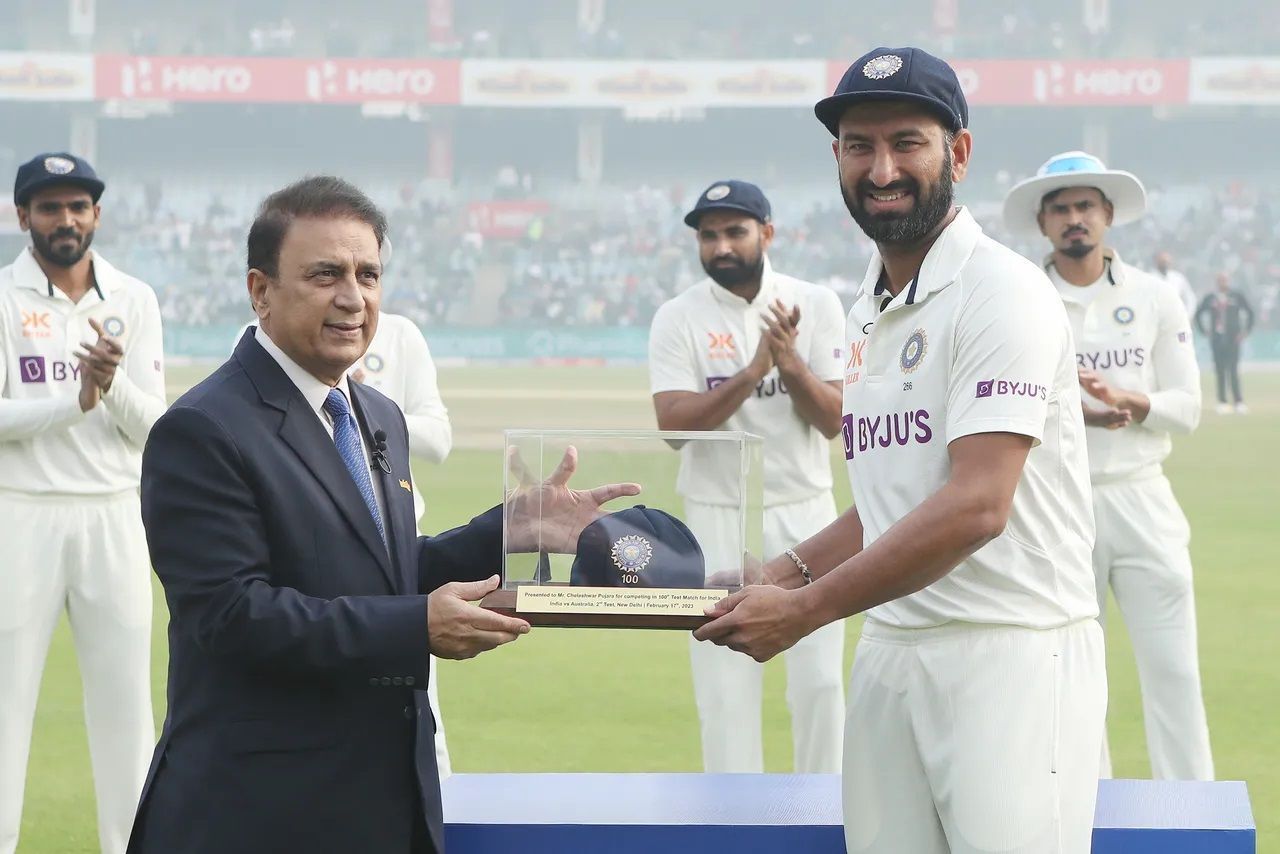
{"x": 704, "y": 336}
{"x": 1177, "y": 281}
{"x": 1132, "y": 330}
{"x": 978, "y": 343}
{"x": 47, "y": 445}
{"x": 398, "y": 363}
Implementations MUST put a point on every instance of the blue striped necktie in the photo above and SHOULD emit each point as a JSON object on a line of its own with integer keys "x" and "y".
{"x": 346, "y": 435}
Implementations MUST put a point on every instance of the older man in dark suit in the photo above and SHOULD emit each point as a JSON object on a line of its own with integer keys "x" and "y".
{"x": 276, "y": 498}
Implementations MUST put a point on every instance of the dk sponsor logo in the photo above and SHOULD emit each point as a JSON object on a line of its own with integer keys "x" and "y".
{"x": 35, "y": 324}
{"x": 853, "y": 365}
{"x": 721, "y": 345}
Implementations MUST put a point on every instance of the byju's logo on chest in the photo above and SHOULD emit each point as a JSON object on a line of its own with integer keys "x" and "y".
{"x": 767, "y": 387}
{"x": 1103, "y": 360}
{"x": 883, "y": 431}
{"x": 31, "y": 368}
{"x": 35, "y": 369}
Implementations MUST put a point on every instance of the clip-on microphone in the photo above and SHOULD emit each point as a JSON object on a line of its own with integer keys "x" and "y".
{"x": 380, "y": 445}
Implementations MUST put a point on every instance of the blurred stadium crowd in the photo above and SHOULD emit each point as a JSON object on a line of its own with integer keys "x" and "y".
{"x": 614, "y": 263}
{"x": 614, "y": 30}
{"x": 608, "y": 251}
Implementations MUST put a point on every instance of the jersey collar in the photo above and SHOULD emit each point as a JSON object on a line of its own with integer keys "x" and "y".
{"x": 768, "y": 289}
{"x": 27, "y": 274}
{"x": 1115, "y": 271}
{"x": 942, "y": 266}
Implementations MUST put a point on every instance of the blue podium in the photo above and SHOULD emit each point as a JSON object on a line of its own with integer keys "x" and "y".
{"x": 745, "y": 813}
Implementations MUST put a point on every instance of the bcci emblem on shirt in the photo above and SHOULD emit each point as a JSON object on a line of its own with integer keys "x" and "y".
{"x": 913, "y": 351}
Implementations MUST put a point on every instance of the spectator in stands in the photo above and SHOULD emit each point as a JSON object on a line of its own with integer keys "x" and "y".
{"x": 1176, "y": 280}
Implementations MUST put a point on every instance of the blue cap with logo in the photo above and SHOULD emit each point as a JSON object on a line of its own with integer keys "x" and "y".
{"x": 730, "y": 195}
{"x": 55, "y": 169}
{"x": 898, "y": 74}
{"x": 640, "y": 547}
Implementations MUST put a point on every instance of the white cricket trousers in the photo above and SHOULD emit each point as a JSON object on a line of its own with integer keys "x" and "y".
{"x": 87, "y": 555}
{"x": 1141, "y": 553}
{"x": 728, "y": 686}
{"x": 970, "y": 738}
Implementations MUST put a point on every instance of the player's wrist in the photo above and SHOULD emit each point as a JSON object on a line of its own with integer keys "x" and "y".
{"x": 810, "y": 611}
{"x": 790, "y": 367}
{"x": 781, "y": 572}
{"x": 1138, "y": 405}
{"x": 788, "y": 570}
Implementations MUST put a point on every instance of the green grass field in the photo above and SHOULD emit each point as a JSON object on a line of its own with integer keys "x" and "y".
{"x": 578, "y": 700}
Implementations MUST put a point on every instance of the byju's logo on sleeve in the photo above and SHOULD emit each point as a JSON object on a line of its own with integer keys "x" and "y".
{"x": 1010, "y": 388}
{"x": 32, "y": 369}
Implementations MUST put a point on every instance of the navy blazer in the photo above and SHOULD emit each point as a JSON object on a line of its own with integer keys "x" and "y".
{"x": 298, "y": 651}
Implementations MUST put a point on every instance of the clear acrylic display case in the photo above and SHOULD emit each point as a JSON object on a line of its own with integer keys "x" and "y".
{"x": 655, "y": 559}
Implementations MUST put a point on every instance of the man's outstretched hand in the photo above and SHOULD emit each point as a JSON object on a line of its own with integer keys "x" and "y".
{"x": 549, "y": 516}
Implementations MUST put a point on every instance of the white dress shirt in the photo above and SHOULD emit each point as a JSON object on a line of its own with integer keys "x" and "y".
{"x": 315, "y": 392}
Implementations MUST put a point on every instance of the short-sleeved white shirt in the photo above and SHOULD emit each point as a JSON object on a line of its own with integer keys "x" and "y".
{"x": 1132, "y": 330}
{"x": 1177, "y": 281}
{"x": 978, "y": 343}
{"x": 47, "y": 444}
{"x": 704, "y": 336}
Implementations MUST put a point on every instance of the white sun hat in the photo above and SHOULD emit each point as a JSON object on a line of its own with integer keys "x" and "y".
{"x": 1073, "y": 169}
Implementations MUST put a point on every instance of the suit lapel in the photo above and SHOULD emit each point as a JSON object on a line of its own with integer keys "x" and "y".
{"x": 401, "y": 526}
{"x": 301, "y": 430}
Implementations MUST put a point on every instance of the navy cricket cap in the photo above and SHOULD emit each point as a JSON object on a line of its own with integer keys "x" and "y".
{"x": 898, "y": 74}
{"x": 730, "y": 195}
{"x": 57, "y": 168}
{"x": 646, "y": 547}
